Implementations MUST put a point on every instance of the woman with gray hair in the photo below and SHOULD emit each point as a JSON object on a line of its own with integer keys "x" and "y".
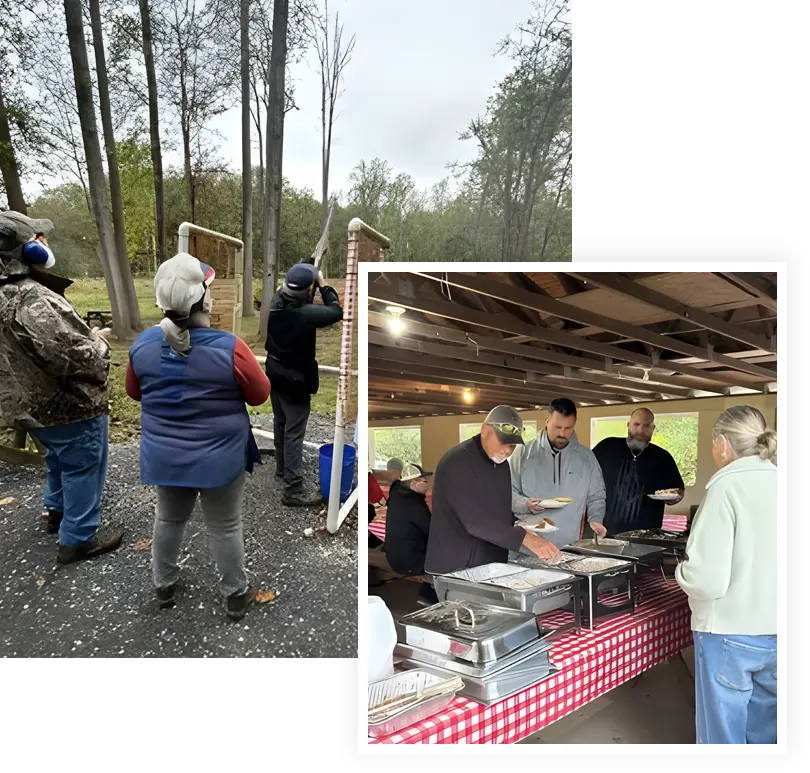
{"x": 730, "y": 577}
{"x": 193, "y": 383}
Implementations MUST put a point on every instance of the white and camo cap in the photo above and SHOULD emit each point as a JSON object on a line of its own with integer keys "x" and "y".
{"x": 180, "y": 283}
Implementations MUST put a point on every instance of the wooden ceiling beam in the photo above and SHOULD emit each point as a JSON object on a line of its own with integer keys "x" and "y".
{"x": 453, "y": 311}
{"x": 413, "y": 373}
{"x": 624, "y": 286}
{"x": 508, "y": 367}
{"x": 583, "y": 316}
{"x": 436, "y": 333}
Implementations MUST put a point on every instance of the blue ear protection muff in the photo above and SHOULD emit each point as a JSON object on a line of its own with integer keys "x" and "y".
{"x": 35, "y": 253}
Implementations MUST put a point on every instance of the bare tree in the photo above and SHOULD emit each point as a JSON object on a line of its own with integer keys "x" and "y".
{"x": 275, "y": 140}
{"x": 154, "y": 126}
{"x": 247, "y": 169}
{"x": 8, "y": 161}
{"x": 117, "y": 198}
{"x": 333, "y": 56}
{"x": 197, "y": 74}
{"x": 125, "y": 319}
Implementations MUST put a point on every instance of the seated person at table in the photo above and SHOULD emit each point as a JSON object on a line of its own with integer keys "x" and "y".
{"x": 552, "y": 465}
{"x": 730, "y": 577}
{"x": 632, "y": 468}
{"x": 472, "y": 522}
{"x": 394, "y": 467}
{"x": 375, "y": 497}
{"x": 407, "y": 526}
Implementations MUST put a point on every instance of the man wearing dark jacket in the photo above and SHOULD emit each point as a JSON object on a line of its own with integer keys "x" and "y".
{"x": 292, "y": 325}
{"x": 407, "y": 522}
{"x": 53, "y": 384}
{"x": 472, "y": 522}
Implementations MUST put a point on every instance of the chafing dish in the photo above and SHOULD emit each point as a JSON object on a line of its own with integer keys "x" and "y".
{"x": 649, "y": 555}
{"x": 468, "y": 630}
{"x": 669, "y": 540}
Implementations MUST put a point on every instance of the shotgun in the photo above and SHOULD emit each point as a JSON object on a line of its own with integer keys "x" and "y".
{"x": 323, "y": 243}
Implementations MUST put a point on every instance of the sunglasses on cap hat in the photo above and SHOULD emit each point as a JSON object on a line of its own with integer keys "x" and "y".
{"x": 510, "y": 429}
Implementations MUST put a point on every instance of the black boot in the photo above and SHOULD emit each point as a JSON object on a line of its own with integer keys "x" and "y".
{"x": 296, "y": 496}
{"x": 54, "y": 521}
{"x": 105, "y": 540}
{"x": 238, "y": 604}
{"x": 165, "y": 596}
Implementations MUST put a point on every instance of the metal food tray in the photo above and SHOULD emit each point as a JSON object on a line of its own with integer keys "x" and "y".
{"x": 501, "y": 585}
{"x": 471, "y": 631}
{"x": 499, "y": 687}
{"x": 399, "y": 685}
{"x": 669, "y": 540}
{"x": 574, "y": 564}
{"x": 521, "y": 657}
{"x": 631, "y": 551}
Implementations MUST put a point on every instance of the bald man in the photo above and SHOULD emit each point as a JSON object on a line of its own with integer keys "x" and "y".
{"x": 632, "y": 468}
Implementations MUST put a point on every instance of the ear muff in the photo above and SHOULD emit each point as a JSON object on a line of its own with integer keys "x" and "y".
{"x": 37, "y": 254}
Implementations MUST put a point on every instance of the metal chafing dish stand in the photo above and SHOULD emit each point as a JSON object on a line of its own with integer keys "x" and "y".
{"x": 497, "y": 651}
{"x": 515, "y": 587}
{"x": 595, "y": 572}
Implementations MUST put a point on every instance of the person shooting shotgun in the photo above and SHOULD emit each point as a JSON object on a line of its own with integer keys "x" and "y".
{"x": 292, "y": 325}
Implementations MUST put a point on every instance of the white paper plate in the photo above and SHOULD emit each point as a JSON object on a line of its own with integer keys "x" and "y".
{"x": 540, "y": 532}
{"x": 552, "y": 504}
{"x": 663, "y": 497}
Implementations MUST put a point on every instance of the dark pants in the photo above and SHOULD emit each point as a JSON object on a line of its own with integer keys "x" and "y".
{"x": 77, "y": 466}
{"x": 289, "y": 427}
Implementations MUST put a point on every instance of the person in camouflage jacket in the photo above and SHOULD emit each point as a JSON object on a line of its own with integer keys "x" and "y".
{"x": 53, "y": 383}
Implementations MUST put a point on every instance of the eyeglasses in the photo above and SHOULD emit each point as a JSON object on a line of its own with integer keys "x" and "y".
{"x": 510, "y": 429}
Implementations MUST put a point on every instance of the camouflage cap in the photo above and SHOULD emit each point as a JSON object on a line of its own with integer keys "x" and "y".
{"x": 17, "y": 229}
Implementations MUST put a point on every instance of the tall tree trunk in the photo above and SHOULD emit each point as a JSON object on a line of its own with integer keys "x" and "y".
{"x": 275, "y": 129}
{"x": 122, "y": 322}
{"x": 8, "y": 162}
{"x": 154, "y": 128}
{"x": 247, "y": 170}
{"x": 112, "y": 166}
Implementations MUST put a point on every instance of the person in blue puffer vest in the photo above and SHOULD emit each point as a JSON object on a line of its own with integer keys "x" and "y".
{"x": 193, "y": 383}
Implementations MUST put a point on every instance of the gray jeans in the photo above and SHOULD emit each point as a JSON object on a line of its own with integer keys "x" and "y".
{"x": 222, "y": 511}
{"x": 289, "y": 427}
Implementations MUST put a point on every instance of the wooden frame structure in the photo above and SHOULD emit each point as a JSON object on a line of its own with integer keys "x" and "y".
{"x": 471, "y": 341}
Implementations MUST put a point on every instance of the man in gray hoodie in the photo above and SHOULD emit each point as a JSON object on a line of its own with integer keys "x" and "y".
{"x": 553, "y": 465}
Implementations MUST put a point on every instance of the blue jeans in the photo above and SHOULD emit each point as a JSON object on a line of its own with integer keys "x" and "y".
{"x": 735, "y": 688}
{"x": 77, "y": 466}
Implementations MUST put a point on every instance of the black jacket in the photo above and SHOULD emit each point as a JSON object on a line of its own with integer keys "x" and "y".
{"x": 292, "y": 325}
{"x": 472, "y": 522}
{"x": 407, "y": 525}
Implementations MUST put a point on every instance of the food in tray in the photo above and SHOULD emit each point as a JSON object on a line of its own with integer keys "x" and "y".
{"x": 667, "y": 492}
{"x": 544, "y": 523}
{"x": 512, "y": 584}
{"x": 593, "y": 564}
{"x": 563, "y": 499}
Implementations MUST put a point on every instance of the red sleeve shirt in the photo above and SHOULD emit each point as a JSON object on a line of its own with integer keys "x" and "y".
{"x": 249, "y": 374}
{"x": 133, "y": 387}
{"x": 375, "y": 493}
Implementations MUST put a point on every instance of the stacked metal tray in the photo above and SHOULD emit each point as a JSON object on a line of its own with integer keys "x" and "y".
{"x": 674, "y": 541}
{"x": 489, "y": 682}
{"x": 468, "y": 630}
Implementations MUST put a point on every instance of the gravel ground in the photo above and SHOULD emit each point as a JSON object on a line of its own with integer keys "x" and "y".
{"x": 106, "y": 607}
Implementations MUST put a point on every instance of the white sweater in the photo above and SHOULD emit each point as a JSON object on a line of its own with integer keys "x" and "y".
{"x": 730, "y": 570}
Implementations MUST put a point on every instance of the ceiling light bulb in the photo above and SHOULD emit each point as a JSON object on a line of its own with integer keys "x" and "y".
{"x": 396, "y": 325}
{"x": 468, "y": 396}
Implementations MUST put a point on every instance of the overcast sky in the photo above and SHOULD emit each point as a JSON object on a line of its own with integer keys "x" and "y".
{"x": 421, "y": 70}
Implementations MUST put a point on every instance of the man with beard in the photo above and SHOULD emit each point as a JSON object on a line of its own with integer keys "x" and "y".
{"x": 632, "y": 468}
{"x": 472, "y": 522}
{"x": 556, "y": 466}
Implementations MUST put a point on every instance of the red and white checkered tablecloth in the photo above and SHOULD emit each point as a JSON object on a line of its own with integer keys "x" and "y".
{"x": 591, "y": 664}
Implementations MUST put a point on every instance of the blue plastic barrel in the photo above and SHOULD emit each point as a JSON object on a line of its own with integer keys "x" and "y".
{"x": 347, "y": 474}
